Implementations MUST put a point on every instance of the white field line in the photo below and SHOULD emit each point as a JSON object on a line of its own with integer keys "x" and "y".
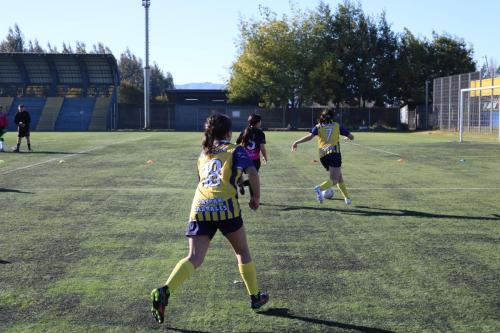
{"x": 371, "y": 148}
{"x": 168, "y": 189}
{"x": 68, "y": 156}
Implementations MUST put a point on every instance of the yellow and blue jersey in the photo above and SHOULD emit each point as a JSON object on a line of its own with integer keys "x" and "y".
{"x": 216, "y": 196}
{"x": 328, "y": 137}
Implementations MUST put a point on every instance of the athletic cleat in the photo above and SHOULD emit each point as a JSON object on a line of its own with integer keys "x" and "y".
{"x": 159, "y": 296}
{"x": 15, "y": 150}
{"x": 319, "y": 195}
{"x": 348, "y": 201}
{"x": 259, "y": 300}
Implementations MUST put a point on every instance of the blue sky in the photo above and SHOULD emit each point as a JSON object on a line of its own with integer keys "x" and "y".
{"x": 195, "y": 39}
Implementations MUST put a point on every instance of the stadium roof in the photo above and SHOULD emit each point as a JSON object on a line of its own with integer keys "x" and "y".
{"x": 28, "y": 69}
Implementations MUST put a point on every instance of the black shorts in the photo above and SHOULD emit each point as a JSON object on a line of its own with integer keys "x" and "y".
{"x": 256, "y": 163}
{"x": 23, "y": 131}
{"x": 331, "y": 160}
{"x": 209, "y": 228}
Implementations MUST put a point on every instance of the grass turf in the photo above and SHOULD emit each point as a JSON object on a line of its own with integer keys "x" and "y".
{"x": 89, "y": 227}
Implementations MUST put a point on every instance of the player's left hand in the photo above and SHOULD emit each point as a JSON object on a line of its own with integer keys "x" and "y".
{"x": 294, "y": 147}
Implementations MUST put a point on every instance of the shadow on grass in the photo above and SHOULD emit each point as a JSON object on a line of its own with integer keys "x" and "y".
{"x": 55, "y": 152}
{"x": 4, "y": 262}
{"x": 183, "y": 330}
{"x": 285, "y": 313}
{"x": 374, "y": 211}
{"x": 13, "y": 191}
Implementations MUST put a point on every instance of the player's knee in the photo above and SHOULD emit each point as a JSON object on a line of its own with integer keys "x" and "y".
{"x": 196, "y": 260}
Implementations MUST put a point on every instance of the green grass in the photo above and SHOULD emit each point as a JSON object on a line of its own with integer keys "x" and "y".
{"x": 83, "y": 241}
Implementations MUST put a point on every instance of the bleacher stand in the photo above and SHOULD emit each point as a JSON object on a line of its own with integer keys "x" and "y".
{"x": 62, "y": 92}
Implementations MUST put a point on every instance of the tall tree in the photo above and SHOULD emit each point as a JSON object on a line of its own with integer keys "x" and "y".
{"x": 160, "y": 82}
{"x": 414, "y": 67}
{"x": 80, "y": 47}
{"x": 356, "y": 39}
{"x": 14, "y": 42}
{"x": 100, "y": 48}
{"x": 386, "y": 55}
{"x": 450, "y": 56}
{"x": 131, "y": 69}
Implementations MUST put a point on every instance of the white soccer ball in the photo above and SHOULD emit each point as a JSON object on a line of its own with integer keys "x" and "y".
{"x": 328, "y": 193}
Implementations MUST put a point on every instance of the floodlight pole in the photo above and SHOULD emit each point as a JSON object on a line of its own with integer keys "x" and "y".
{"x": 146, "y": 4}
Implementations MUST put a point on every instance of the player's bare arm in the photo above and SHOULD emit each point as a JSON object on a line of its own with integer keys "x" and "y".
{"x": 253, "y": 177}
{"x": 302, "y": 140}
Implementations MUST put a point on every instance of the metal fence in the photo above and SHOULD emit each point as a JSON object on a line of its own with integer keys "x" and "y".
{"x": 192, "y": 117}
{"x": 480, "y": 107}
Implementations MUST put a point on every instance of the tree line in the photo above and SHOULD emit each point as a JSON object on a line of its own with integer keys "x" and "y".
{"x": 130, "y": 66}
{"x": 340, "y": 56}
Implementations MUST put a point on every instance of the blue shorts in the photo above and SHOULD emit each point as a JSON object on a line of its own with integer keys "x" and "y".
{"x": 209, "y": 228}
{"x": 331, "y": 160}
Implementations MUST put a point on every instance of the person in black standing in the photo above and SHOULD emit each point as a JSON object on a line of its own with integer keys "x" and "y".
{"x": 22, "y": 120}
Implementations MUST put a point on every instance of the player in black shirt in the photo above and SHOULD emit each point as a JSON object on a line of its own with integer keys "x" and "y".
{"x": 253, "y": 140}
{"x": 22, "y": 120}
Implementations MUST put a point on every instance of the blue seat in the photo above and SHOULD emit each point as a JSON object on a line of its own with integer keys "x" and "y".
{"x": 75, "y": 114}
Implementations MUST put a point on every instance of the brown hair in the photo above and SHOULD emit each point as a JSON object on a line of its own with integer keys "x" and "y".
{"x": 253, "y": 120}
{"x": 217, "y": 126}
{"x": 326, "y": 117}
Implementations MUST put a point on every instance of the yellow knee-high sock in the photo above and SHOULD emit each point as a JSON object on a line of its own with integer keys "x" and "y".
{"x": 182, "y": 271}
{"x": 326, "y": 184}
{"x": 343, "y": 190}
{"x": 249, "y": 275}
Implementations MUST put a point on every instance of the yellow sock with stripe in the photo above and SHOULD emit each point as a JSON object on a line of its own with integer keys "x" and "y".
{"x": 182, "y": 271}
{"x": 249, "y": 275}
{"x": 343, "y": 190}
{"x": 325, "y": 185}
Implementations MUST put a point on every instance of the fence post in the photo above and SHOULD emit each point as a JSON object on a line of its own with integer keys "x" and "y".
{"x": 468, "y": 107}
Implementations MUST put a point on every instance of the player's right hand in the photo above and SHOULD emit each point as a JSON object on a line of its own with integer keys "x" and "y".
{"x": 294, "y": 147}
{"x": 254, "y": 203}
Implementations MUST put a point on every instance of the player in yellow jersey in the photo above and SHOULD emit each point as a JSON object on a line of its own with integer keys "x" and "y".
{"x": 328, "y": 133}
{"x": 215, "y": 207}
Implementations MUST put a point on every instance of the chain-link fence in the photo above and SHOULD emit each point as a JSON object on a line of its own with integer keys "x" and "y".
{"x": 480, "y": 108}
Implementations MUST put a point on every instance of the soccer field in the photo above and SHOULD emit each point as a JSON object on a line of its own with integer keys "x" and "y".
{"x": 91, "y": 222}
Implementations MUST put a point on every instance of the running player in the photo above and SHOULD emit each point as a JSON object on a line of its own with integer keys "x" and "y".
{"x": 215, "y": 207}
{"x": 328, "y": 132}
{"x": 253, "y": 140}
{"x": 3, "y": 127}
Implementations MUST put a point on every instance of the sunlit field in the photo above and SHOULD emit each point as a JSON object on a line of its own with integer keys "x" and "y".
{"x": 91, "y": 222}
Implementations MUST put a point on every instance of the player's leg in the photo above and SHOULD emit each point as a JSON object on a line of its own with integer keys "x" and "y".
{"x": 19, "y": 138}
{"x": 28, "y": 142}
{"x": 2, "y": 132}
{"x": 326, "y": 161}
{"x": 238, "y": 240}
{"x": 336, "y": 177}
{"x": 256, "y": 163}
{"x": 198, "y": 247}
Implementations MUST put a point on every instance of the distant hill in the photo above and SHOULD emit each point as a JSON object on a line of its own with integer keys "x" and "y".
{"x": 201, "y": 85}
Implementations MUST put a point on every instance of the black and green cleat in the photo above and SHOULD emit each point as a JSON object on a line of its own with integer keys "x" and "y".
{"x": 259, "y": 300}
{"x": 159, "y": 296}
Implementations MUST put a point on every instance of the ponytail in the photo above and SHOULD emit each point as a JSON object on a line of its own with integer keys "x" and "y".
{"x": 217, "y": 126}
{"x": 253, "y": 120}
